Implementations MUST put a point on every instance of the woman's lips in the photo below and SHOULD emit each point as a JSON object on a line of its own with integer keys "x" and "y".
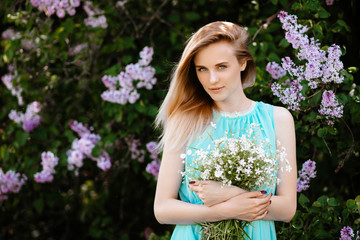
{"x": 216, "y": 90}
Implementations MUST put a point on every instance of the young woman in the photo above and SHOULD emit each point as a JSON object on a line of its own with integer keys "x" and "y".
{"x": 207, "y": 88}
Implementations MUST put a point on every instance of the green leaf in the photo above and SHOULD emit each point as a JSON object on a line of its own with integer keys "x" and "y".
{"x": 318, "y": 29}
{"x": 296, "y": 6}
{"x": 357, "y": 201}
{"x": 332, "y": 130}
{"x": 96, "y": 151}
{"x": 303, "y": 200}
{"x": 323, "y": 200}
{"x": 322, "y": 132}
{"x": 332, "y": 202}
{"x": 312, "y": 5}
{"x": 38, "y": 205}
{"x": 351, "y": 204}
{"x": 316, "y": 204}
{"x": 284, "y": 43}
{"x": 343, "y": 24}
{"x": 119, "y": 116}
{"x": 323, "y": 13}
{"x": 21, "y": 137}
{"x": 273, "y": 57}
{"x": 274, "y": 2}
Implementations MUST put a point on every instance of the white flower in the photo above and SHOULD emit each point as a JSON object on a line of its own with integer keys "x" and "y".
{"x": 218, "y": 173}
{"x": 258, "y": 171}
{"x": 243, "y": 162}
{"x": 248, "y": 171}
{"x": 251, "y": 159}
{"x": 183, "y": 156}
{"x": 188, "y": 152}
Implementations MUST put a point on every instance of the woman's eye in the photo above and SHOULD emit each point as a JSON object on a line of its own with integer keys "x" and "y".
{"x": 222, "y": 67}
{"x": 202, "y": 69}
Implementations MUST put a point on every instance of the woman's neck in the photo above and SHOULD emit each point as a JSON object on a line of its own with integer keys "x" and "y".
{"x": 242, "y": 104}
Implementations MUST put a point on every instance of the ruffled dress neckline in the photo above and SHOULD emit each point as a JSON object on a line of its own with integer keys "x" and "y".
{"x": 238, "y": 114}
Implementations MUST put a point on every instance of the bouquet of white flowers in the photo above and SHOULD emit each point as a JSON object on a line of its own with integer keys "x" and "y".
{"x": 242, "y": 161}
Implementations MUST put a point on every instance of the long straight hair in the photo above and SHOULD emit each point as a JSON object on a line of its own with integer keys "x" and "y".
{"x": 187, "y": 109}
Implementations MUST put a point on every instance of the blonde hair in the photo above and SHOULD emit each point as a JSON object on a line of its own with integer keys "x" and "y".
{"x": 187, "y": 109}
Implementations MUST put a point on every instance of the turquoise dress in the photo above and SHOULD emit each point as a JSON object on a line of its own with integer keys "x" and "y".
{"x": 258, "y": 113}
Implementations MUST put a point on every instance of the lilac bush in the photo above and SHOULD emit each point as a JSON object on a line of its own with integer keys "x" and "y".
{"x": 8, "y": 80}
{"x": 95, "y": 17}
{"x": 60, "y": 7}
{"x": 317, "y": 68}
{"x": 10, "y": 182}
{"x": 30, "y": 119}
{"x": 154, "y": 166}
{"x": 49, "y": 162}
{"x": 82, "y": 147}
{"x": 135, "y": 76}
{"x": 330, "y": 107}
{"x": 347, "y": 233}
{"x": 134, "y": 148}
{"x": 307, "y": 172}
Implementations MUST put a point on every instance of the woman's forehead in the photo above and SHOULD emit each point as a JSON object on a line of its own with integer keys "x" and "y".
{"x": 214, "y": 53}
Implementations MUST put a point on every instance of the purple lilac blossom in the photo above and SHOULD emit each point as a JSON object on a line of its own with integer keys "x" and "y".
{"x": 77, "y": 49}
{"x": 30, "y": 119}
{"x": 307, "y": 172}
{"x": 135, "y": 76}
{"x": 49, "y": 162}
{"x": 10, "y": 182}
{"x": 153, "y": 150}
{"x": 82, "y": 147}
{"x": 136, "y": 153}
{"x": 95, "y": 16}
{"x": 330, "y": 107}
{"x": 320, "y": 67}
{"x": 153, "y": 168}
{"x": 60, "y": 7}
{"x": 347, "y": 233}
{"x": 8, "y": 79}
{"x": 291, "y": 96}
{"x": 10, "y": 34}
{"x": 275, "y": 70}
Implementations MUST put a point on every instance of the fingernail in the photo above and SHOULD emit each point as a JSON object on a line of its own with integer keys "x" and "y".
{"x": 192, "y": 182}
{"x": 269, "y": 202}
{"x": 263, "y": 192}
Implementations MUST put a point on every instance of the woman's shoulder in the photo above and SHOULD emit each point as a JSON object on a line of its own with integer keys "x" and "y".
{"x": 282, "y": 116}
{"x": 278, "y": 111}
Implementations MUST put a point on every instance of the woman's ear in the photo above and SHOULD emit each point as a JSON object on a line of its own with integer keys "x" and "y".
{"x": 243, "y": 64}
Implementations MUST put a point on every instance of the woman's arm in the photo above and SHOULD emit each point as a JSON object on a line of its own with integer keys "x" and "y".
{"x": 212, "y": 192}
{"x": 283, "y": 204}
{"x": 169, "y": 210}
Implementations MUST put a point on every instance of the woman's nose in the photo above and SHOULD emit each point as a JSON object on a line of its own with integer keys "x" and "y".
{"x": 213, "y": 77}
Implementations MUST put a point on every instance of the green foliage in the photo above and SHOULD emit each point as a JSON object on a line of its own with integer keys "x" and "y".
{"x": 321, "y": 219}
{"x": 117, "y": 204}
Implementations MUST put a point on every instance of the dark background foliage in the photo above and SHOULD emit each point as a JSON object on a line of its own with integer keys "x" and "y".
{"x": 117, "y": 204}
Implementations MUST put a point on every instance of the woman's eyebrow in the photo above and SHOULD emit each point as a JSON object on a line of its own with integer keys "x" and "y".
{"x": 217, "y": 64}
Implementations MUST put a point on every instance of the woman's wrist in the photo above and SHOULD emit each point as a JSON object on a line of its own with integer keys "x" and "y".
{"x": 221, "y": 211}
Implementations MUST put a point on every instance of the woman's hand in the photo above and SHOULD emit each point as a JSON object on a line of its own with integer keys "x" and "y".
{"x": 212, "y": 192}
{"x": 248, "y": 206}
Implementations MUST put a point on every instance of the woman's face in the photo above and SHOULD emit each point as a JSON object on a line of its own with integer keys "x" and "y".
{"x": 218, "y": 71}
